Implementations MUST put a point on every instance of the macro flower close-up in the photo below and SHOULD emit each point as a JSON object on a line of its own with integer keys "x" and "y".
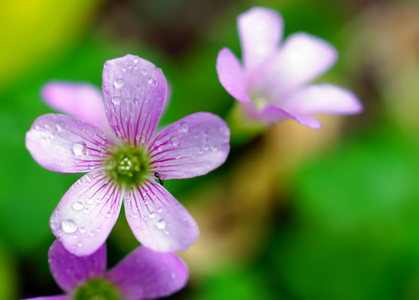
{"x": 124, "y": 164}
{"x": 142, "y": 274}
{"x": 272, "y": 84}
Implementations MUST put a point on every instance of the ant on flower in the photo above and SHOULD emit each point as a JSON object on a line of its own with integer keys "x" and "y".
{"x": 158, "y": 176}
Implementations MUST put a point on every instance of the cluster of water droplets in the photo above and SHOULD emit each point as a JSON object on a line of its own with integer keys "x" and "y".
{"x": 204, "y": 143}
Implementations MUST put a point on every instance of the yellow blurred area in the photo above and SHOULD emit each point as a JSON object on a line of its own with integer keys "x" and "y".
{"x": 32, "y": 31}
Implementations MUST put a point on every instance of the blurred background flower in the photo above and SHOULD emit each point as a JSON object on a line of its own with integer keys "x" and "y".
{"x": 294, "y": 213}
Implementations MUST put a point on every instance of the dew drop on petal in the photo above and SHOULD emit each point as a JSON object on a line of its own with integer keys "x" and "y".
{"x": 161, "y": 224}
{"x": 69, "y": 226}
{"x": 82, "y": 230}
{"x": 79, "y": 148}
{"x": 108, "y": 214}
{"x": 116, "y": 100}
{"x": 60, "y": 126}
{"x": 53, "y": 225}
{"x": 77, "y": 206}
{"x": 160, "y": 210}
{"x": 153, "y": 215}
{"x": 174, "y": 141}
{"x": 118, "y": 83}
{"x": 184, "y": 127}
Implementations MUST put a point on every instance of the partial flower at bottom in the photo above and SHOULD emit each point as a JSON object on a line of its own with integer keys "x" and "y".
{"x": 142, "y": 274}
{"x": 123, "y": 162}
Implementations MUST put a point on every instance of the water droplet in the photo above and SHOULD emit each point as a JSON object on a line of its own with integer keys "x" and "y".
{"x": 184, "y": 127}
{"x": 82, "y": 230}
{"x": 201, "y": 151}
{"x": 69, "y": 226}
{"x": 161, "y": 224}
{"x": 109, "y": 214}
{"x": 89, "y": 201}
{"x": 60, "y": 126}
{"x": 135, "y": 215}
{"x": 196, "y": 136}
{"x": 79, "y": 148}
{"x": 43, "y": 141}
{"x": 135, "y": 101}
{"x": 116, "y": 100}
{"x": 174, "y": 140}
{"x": 135, "y": 60}
{"x": 89, "y": 177}
{"x": 118, "y": 83}
{"x": 153, "y": 215}
{"x": 178, "y": 156}
{"x": 53, "y": 225}
{"x": 77, "y": 206}
{"x": 91, "y": 233}
{"x": 160, "y": 210}
{"x": 79, "y": 245}
{"x": 144, "y": 72}
{"x": 206, "y": 147}
{"x": 124, "y": 69}
{"x": 150, "y": 80}
{"x": 214, "y": 148}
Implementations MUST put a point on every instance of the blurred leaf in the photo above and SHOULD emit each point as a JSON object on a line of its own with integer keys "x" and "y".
{"x": 34, "y": 31}
{"x": 354, "y": 235}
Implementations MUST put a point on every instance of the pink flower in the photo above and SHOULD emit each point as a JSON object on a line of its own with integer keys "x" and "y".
{"x": 273, "y": 82}
{"x": 124, "y": 163}
{"x": 143, "y": 274}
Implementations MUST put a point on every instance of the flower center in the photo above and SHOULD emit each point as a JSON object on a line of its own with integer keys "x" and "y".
{"x": 128, "y": 166}
{"x": 97, "y": 289}
{"x": 259, "y": 100}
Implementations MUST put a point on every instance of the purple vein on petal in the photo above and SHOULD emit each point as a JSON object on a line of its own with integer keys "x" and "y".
{"x": 150, "y": 190}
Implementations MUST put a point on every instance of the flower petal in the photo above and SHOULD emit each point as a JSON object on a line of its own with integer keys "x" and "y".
{"x": 192, "y": 146}
{"x": 302, "y": 58}
{"x": 260, "y": 30}
{"x": 67, "y": 145}
{"x": 272, "y": 114}
{"x": 86, "y": 214}
{"x": 58, "y": 297}
{"x": 158, "y": 220}
{"x": 134, "y": 93}
{"x": 145, "y": 274}
{"x": 69, "y": 271}
{"x": 81, "y": 100}
{"x": 231, "y": 75}
{"x": 324, "y": 99}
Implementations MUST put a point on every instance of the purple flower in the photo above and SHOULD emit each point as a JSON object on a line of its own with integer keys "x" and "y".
{"x": 143, "y": 274}
{"x": 273, "y": 82}
{"x": 124, "y": 164}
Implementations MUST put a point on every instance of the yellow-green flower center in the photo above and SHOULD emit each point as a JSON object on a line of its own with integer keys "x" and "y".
{"x": 128, "y": 166}
{"x": 97, "y": 289}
